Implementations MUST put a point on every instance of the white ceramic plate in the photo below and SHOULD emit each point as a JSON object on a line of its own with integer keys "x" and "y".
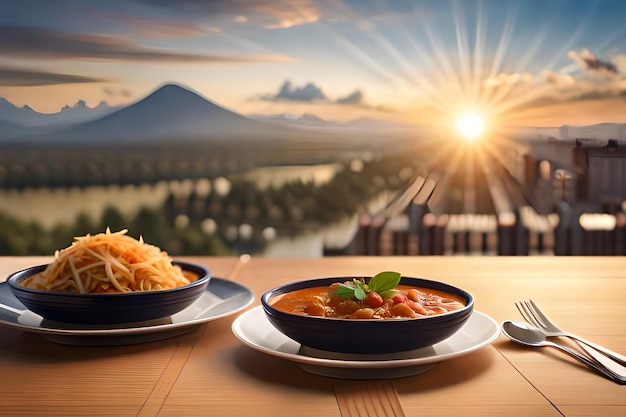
{"x": 254, "y": 329}
{"x": 221, "y": 298}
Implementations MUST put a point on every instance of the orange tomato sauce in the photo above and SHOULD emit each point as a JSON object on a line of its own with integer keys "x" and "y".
{"x": 406, "y": 302}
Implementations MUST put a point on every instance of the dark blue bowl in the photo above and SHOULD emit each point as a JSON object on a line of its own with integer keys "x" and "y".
{"x": 109, "y": 308}
{"x": 372, "y": 336}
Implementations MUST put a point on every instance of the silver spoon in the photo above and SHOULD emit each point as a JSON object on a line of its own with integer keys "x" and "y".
{"x": 533, "y": 337}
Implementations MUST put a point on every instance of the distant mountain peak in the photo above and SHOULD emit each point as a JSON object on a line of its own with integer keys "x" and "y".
{"x": 168, "y": 112}
{"x": 171, "y": 91}
{"x": 80, "y": 105}
{"x": 27, "y": 117}
{"x": 312, "y": 118}
{"x": 172, "y": 86}
{"x": 7, "y": 103}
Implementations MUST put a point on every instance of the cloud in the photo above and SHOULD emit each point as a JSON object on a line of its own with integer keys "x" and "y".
{"x": 293, "y": 13}
{"x": 275, "y": 14}
{"x": 154, "y": 27}
{"x": 311, "y": 93}
{"x": 600, "y": 79}
{"x": 125, "y": 93}
{"x": 36, "y": 42}
{"x": 558, "y": 80}
{"x": 620, "y": 63}
{"x": 605, "y": 78}
{"x": 12, "y": 77}
{"x": 355, "y": 98}
{"x": 590, "y": 63}
{"x": 162, "y": 18}
{"x": 287, "y": 92}
{"x": 507, "y": 79}
{"x": 566, "y": 87}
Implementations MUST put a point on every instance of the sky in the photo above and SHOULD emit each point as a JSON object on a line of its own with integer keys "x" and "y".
{"x": 521, "y": 63}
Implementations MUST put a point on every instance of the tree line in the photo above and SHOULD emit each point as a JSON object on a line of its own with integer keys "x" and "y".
{"x": 288, "y": 208}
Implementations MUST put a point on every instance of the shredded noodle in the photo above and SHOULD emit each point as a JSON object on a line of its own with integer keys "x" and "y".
{"x": 109, "y": 263}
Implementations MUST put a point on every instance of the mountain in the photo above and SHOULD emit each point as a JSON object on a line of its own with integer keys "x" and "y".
{"x": 15, "y": 115}
{"x": 309, "y": 120}
{"x": 81, "y": 113}
{"x": 600, "y": 132}
{"x": 175, "y": 113}
{"x": 169, "y": 113}
{"x": 10, "y": 128}
{"x": 26, "y": 116}
{"x": 304, "y": 120}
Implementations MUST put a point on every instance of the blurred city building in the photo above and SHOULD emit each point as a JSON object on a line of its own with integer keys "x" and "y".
{"x": 561, "y": 196}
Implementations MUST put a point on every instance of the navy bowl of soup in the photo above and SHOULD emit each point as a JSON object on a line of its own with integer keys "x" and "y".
{"x": 311, "y": 313}
{"x": 110, "y": 308}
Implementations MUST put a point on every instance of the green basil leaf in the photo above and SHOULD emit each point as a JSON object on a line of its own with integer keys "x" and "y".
{"x": 389, "y": 294}
{"x": 359, "y": 293}
{"x": 344, "y": 291}
{"x": 384, "y": 281}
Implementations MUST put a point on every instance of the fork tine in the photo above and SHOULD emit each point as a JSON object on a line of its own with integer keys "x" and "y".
{"x": 533, "y": 313}
{"x": 521, "y": 311}
{"x": 526, "y": 313}
{"x": 541, "y": 317}
{"x": 534, "y": 318}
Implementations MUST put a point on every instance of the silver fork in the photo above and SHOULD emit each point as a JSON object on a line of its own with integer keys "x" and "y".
{"x": 532, "y": 314}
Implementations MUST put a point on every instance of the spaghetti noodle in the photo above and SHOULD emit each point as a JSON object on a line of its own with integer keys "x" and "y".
{"x": 109, "y": 263}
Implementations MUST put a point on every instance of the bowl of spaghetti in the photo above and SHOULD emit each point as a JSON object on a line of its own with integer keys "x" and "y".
{"x": 382, "y": 314}
{"x": 109, "y": 278}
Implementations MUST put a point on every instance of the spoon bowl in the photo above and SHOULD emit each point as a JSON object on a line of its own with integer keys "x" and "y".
{"x": 524, "y": 334}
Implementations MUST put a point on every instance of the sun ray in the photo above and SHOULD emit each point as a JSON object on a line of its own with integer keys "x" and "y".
{"x": 461, "y": 45}
{"x": 489, "y": 97}
{"x": 480, "y": 41}
{"x": 574, "y": 39}
{"x": 440, "y": 156}
{"x": 447, "y": 69}
{"x": 504, "y": 100}
{"x": 437, "y": 202}
{"x": 356, "y": 50}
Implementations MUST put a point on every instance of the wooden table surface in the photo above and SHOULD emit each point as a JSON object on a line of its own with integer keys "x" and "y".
{"x": 209, "y": 372}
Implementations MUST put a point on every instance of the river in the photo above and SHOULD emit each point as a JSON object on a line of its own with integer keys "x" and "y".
{"x": 51, "y": 207}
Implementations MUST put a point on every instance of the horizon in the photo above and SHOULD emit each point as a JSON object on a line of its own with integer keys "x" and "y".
{"x": 269, "y": 117}
{"x": 602, "y": 131}
{"x": 422, "y": 62}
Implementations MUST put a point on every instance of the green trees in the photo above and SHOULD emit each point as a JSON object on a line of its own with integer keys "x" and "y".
{"x": 291, "y": 208}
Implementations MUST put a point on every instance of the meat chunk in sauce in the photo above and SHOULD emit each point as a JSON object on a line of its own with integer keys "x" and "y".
{"x": 402, "y": 302}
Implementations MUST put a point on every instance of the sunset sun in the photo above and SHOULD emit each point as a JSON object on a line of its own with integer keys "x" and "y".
{"x": 470, "y": 125}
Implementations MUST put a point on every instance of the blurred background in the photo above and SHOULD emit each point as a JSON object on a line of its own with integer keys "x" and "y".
{"x": 315, "y": 128}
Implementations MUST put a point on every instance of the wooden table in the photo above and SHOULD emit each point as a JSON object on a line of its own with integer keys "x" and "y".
{"x": 211, "y": 373}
